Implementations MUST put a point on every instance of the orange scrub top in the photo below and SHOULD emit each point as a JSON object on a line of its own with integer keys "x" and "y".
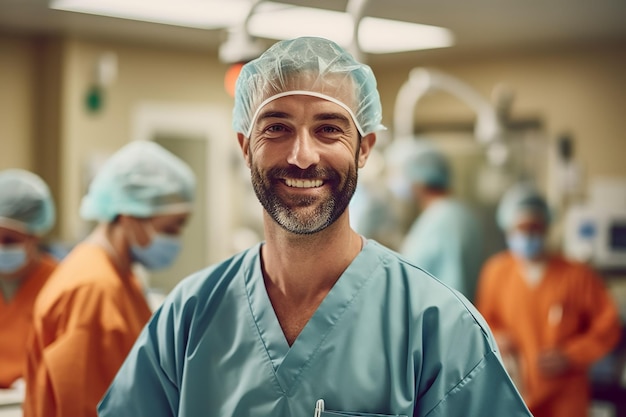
{"x": 85, "y": 322}
{"x": 15, "y": 321}
{"x": 569, "y": 309}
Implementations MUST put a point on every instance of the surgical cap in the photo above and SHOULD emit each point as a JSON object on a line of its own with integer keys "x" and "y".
{"x": 519, "y": 199}
{"x": 142, "y": 179}
{"x": 308, "y": 66}
{"x": 422, "y": 162}
{"x": 26, "y": 204}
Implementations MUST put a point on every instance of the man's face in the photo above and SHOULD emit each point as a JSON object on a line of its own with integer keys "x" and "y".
{"x": 304, "y": 153}
{"x": 530, "y": 224}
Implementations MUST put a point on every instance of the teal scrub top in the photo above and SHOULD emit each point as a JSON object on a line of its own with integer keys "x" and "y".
{"x": 388, "y": 340}
{"x": 447, "y": 241}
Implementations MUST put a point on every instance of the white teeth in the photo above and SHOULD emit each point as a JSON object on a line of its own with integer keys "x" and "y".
{"x": 303, "y": 183}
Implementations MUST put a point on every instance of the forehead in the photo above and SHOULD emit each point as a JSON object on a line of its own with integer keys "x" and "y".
{"x": 170, "y": 219}
{"x": 297, "y": 105}
{"x": 526, "y": 219}
{"x": 7, "y": 233}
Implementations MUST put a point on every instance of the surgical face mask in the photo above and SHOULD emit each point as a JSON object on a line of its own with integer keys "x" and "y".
{"x": 526, "y": 246}
{"x": 12, "y": 258}
{"x": 160, "y": 253}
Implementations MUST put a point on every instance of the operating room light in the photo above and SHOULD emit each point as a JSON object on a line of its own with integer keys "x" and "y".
{"x": 272, "y": 20}
{"x": 202, "y": 14}
{"x": 376, "y": 35}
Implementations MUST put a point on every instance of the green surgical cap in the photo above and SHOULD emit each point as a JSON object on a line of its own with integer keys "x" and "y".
{"x": 421, "y": 162}
{"x": 309, "y": 66}
{"x": 521, "y": 198}
{"x": 142, "y": 179}
{"x": 26, "y": 204}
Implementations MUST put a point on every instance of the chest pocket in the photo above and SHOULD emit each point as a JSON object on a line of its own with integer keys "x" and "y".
{"x": 330, "y": 413}
{"x": 321, "y": 412}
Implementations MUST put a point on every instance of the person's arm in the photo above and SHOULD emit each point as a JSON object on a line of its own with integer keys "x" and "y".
{"x": 74, "y": 353}
{"x": 465, "y": 375}
{"x": 604, "y": 327}
{"x": 486, "y": 391}
{"x": 147, "y": 382}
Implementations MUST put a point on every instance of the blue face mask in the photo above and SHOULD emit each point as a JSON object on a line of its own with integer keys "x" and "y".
{"x": 160, "y": 253}
{"x": 526, "y": 246}
{"x": 12, "y": 258}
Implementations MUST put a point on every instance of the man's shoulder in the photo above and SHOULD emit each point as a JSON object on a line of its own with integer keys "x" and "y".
{"x": 206, "y": 279}
{"x": 404, "y": 274}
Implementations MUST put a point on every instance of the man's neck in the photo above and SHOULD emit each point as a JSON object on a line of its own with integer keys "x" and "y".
{"x": 303, "y": 266}
{"x": 428, "y": 198}
{"x": 110, "y": 237}
{"x": 300, "y": 270}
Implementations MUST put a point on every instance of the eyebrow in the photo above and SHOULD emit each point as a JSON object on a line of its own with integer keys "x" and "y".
{"x": 273, "y": 114}
{"x": 332, "y": 116}
{"x": 322, "y": 116}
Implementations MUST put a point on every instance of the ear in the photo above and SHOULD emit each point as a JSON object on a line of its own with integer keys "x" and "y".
{"x": 367, "y": 143}
{"x": 244, "y": 144}
{"x": 133, "y": 229}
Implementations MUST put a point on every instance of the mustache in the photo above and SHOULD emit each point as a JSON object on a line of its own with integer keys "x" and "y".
{"x": 309, "y": 173}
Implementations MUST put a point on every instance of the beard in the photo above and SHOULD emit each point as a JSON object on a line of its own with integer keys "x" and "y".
{"x": 304, "y": 215}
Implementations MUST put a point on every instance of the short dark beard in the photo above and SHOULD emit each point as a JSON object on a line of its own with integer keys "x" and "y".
{"x": 325, "y": 214}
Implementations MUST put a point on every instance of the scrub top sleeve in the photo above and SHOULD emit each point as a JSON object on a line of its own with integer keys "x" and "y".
{"x": 143, "y": 386}
{"x": 485, "y": 391}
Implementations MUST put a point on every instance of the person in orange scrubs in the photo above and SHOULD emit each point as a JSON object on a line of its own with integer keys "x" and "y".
{"x": 93, "y": 308}
{"x": 26, "y": 214}
{"x": 552, "y": 317}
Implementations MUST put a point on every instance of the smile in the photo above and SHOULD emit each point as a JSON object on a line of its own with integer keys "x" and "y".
{"x": 303, "y": 183}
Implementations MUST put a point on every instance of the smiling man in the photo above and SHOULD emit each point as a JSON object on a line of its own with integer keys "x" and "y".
{"x": 314, "y": 320}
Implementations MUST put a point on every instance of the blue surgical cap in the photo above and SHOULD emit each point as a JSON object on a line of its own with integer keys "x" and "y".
{"x": 421, "y": 162}
{"x": 26, "y": 204}
{"x": 142, "y": 179}
{"x": 308, "y": 66}
{"x": 519, "y": 199}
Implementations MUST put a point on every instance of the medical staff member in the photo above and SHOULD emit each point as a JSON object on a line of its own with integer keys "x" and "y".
{"x": 88, "y": 316}
{"x": 552, "y": 314}
{"x": 446, "y": 238}
{"x": 26, "y": 214}
{"x": 315, "y": 319}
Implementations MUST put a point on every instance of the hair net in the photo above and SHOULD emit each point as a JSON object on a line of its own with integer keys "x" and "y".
{"x": 311, "y": 66}
{"x": 26, "y": 204}
{"x": 420, "y": 161}
{"x": 142, "y": 179}
{"x": 521, "y": 198}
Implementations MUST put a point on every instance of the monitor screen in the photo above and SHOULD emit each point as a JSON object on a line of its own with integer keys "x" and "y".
{"x": 617, "y": 236}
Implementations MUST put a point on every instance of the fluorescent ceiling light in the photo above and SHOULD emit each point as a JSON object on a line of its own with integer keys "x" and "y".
{"x": 377, "y": 36}
{"x": 271, "y": 20}
{"x": 203, "y": 14}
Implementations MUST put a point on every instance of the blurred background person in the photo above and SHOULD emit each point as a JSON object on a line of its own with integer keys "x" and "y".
{"x": 88, "y": 317}
{"x": 446, "y": 238}
{"x": 27, "y": 213}
{"x": 552, "y": 317}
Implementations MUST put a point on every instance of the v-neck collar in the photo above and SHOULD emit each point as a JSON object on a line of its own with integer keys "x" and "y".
{"x": 289, "y": 362}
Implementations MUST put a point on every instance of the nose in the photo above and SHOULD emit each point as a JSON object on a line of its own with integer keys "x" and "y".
{"x": 304, "y": 152}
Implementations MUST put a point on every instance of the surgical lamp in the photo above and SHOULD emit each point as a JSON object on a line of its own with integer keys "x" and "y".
{"x": 488, "y": 129}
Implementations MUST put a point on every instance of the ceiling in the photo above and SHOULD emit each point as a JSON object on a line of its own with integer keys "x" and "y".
{"x": 477, "y": 25}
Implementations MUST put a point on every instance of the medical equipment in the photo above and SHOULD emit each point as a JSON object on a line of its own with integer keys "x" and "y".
{"x": 595, "y": 232}
{"x": 596, "y": 235}
{"x": 488, "y": 128}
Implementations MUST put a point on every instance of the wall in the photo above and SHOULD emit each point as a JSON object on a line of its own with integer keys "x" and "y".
{"x": 17, "y": 95}
{"x": 580, "y": 90}
{"x": 48, "y": 128}
{"x": 145, "y": 74}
